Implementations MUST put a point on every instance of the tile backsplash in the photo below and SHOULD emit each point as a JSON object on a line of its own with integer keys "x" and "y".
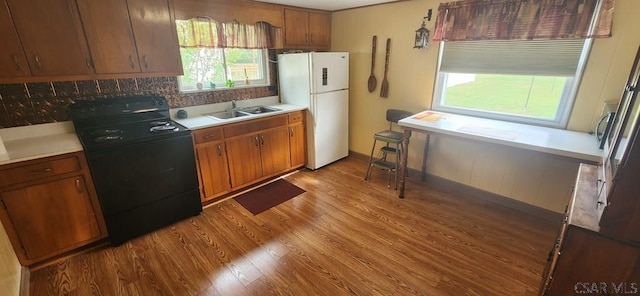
{"x": 35, "y": 103}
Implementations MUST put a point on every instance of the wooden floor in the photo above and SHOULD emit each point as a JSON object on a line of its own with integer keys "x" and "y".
{"x": 344, "y": 236}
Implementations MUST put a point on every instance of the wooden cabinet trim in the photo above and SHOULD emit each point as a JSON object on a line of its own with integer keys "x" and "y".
{"x": 247, "y": 12}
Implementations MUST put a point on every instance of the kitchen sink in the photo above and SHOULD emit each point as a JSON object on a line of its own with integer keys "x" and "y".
{"x": 227, "y": 114}
{"x": 259, "y": 109}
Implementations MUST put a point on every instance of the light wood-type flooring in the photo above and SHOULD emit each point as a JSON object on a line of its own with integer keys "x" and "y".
{"x": 344, "y": 236}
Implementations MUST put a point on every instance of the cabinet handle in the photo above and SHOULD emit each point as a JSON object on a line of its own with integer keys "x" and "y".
{"x": 311, "y": 38}
{"x": 219, "y": 150}
{"x": 43, "y": 171}
{"x": 78, "y": 186}
{"x": 38, "y": 65}
{"x": 144, "y": 61}
{"x": 261, "y": 140}
{"x": 131, "y": 62}
{"x": 207, "y": 137}
{"x": 257, "y": 142}
{"x": 88, "y": 61}
{"x": 291, "y": 132}
{"x": 306, "y": 38}
{"x": 15, "y": 60}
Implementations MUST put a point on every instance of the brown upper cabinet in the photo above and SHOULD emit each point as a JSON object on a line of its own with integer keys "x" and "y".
{"x": 12, "y": 59}
{"x": 51, "y": 36}
{"x": 131, "y": 36}
{"x": 156, "y": 37}
{"x": 307, "y": 29}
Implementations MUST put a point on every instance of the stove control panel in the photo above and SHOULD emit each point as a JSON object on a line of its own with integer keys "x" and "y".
{"x": 118, "y": 105}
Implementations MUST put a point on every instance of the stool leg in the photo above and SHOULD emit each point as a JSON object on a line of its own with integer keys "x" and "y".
{"x": 368, "y": 175}
{"x": 398, "y": 153}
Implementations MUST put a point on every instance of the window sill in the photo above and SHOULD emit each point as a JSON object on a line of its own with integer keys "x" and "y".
{"x": 204, "y": 90}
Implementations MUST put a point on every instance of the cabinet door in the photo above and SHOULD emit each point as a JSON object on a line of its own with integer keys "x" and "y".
{"x": 297, "y": 145}
{"x": 296, "y": 27}
{"x": 320, "y": 29}
{"x": 156, "y": 37}
{"x": 108, "y": 30}
{"x": 52, "y": 37}
{"x": 275, "y": 151}
{"x": 244, "y": 159}
{"x": 214, "y": 169}
{"x": 12, "y": 59}
{"x": 52, "y": 217}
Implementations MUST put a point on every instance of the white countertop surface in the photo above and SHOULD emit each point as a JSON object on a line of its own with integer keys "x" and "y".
{"x": 197, "y": 118}
{"x": 38, "y": 141}
{"x": 544, "y": 139}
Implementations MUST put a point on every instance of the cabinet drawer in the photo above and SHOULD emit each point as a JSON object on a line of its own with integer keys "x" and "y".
{"x": 208, "y": 135}
{"x": 34, "y": 171}
{"x": 296, "y": 117}
{"x": 236, "y": 129}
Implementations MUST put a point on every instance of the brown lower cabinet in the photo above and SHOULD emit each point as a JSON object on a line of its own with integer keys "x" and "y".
{"x": 49, "y": 207}
{"x": 584, "y": 260}
{"x": 236, "y": 155}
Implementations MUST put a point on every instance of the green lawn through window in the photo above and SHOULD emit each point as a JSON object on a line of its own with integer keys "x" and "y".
{"x": 536, "y": 96}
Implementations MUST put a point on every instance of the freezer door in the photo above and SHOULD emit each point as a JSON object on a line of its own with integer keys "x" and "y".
{"x": 328, "y": 128}
{"x": 330, "y": 71}
{"x": 294, "y": 80}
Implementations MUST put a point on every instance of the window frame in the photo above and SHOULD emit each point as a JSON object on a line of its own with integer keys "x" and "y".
{"x": 266, "y": 81}
{"x": 563, "y": 112}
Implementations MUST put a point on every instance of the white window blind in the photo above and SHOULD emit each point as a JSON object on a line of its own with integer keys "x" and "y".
{"x": 513, "y": 57}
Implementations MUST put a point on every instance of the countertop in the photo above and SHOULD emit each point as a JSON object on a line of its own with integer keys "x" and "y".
{"x": 544, "y": 139}
{"x": 197, "y": 118}
{"x": 42, "y": 140}
{"x": 38, "y": 141}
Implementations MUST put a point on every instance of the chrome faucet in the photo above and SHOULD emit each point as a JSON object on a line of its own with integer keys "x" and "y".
{"x": 233, "y": 104}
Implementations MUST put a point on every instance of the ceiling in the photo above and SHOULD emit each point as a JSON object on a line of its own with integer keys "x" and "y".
{"x": 330, "y": 5}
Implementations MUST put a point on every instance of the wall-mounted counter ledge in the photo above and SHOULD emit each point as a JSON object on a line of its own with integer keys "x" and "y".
{"x": 543, "y": 139}
{"x": 574, "y": 145}
{"x": 37, "y": 141}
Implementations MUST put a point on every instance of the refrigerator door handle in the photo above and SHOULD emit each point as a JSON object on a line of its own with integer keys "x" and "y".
{"x": 315, "y": 112}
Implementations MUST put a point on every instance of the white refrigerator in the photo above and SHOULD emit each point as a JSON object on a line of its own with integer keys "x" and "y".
{"x": 319, "y": 81}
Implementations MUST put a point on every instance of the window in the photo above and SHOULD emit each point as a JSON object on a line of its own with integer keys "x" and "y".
{"x": 531, "y": 82}
{"x": 214, "y": 68}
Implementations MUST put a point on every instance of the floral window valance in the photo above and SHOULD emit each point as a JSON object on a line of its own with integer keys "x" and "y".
{"x": 523, "y": 20}
{"x": 205, "y": 32}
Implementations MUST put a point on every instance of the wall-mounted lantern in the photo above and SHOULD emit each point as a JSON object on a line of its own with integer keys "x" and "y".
{"x": 422, "y": 34}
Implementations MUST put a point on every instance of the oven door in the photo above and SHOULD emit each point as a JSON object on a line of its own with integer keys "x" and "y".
{"x": 133, "y": 176}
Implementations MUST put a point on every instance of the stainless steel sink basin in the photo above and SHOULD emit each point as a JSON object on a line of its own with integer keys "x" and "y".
{"x": 259, "y": 109}
{"x": 228, "y": 114}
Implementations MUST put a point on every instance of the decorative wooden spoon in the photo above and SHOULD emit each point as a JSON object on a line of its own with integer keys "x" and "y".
{"x": 384, "y": 89}
{"x": 371, "y": 84}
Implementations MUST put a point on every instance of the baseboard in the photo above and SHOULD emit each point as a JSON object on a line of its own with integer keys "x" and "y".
{"x": 434, "y": 180}
{"x": 25, "y": 276}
